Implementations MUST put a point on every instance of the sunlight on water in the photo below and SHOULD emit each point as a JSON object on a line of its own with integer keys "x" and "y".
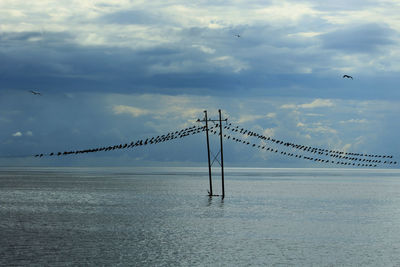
{"x": 162, "y": 216}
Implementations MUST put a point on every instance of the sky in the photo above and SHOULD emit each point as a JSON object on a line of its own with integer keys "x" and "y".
{"x": 111, "y": 72}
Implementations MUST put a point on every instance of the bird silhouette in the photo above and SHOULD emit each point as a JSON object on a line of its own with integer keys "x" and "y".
{"x": 35, "y": 93}
{"x": 237, "y": 35}
{"x": 347, "y": 76}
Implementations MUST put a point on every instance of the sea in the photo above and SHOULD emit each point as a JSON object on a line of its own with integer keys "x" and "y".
{"x": 135, "y": 216}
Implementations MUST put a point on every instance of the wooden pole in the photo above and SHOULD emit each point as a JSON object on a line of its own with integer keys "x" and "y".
{"x": 210, "y": 193}
{"x": 222, "y": 155}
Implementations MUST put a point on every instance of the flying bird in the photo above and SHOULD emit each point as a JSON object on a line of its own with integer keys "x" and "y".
{"x": 35, "y": 93}
{"x": 237, "y": 35}
{"x": 347, "y": 76}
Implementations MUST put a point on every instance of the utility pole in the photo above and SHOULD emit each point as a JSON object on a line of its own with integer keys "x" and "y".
{"x": 222, "y": 154}
{"x": 210, "y": 193}
{"x": 221, "y": 162}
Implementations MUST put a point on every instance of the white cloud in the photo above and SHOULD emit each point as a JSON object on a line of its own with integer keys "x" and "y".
{"x": 165, "y": 110}
{"x": 355, "y": 121}
{"x": 204, "y": 49}
{"x": 380, "y": 13}
{"x": 323, "y": 129}
{"x": 305, "y": 34}
{"x": 361, "y": 140}
{"x": 248, "y": 117}
{"x": 314, "y": 115}
{"x": 230, "y": 62}
{"x": 346, "y": 147}
{"x": 287, "y": 11}
{"x": 133, "y": 111}
{"x": 93, "y": 39}
{"x": 179, "y": 112}
{"x": 288, "y": 106}
{"x": 269, "y": 132}
{"x": 317, "y": 103}
{"x": 17, "y": 134}
{"x": 307, "y": 136}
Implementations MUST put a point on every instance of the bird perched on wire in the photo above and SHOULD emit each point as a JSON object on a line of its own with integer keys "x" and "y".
{"x": 35, "y": 93}
{"x": 347, "y": 76}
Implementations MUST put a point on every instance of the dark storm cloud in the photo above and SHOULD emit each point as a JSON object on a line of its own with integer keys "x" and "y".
{"x": 18, "y": 36}
{"x": 270, "y": 59}
{"x": 367, "y": 38}
{"x": 57, "y": 64}
{"x": 54, "y": 63}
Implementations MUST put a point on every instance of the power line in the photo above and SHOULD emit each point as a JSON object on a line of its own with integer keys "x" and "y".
{"x": 332, "y": 153}
{"x": 318, "y": 157}
{"x": 140, "y": 142}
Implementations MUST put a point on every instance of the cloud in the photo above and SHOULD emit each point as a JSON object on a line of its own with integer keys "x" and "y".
{"x": 180, "y": 109}
{"x": 343, "y": 5}
{"x": 307, "y": 136}
{"x": 129, "y": 47}
{"x": 229, "y": 62}
{"x": 354, "y": 121}
{"x": 359, "y": 39}
{"x": 112, "y": 71}
{"x": 314, "y": 115}
{"x": 270, "y": 132}
{"x": 287, "y": 11}
{"x": 133, "y": 111}
{"x": 288, "y": 106}
{"x": 317, "y": 103}
{"x": 346, "y": 147}
{"x": 323, "y": 129}
{"x": 249, "y": 118}
{"x": 204, "y": 49}
{"x": 129, "y": 17}
{"x": 17, "y": 134}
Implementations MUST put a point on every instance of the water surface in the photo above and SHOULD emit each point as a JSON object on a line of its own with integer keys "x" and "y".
{"x": 162, "y": 216}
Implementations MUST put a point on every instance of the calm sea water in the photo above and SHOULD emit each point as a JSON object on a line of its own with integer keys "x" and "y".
{"x": 162, "y": 217}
